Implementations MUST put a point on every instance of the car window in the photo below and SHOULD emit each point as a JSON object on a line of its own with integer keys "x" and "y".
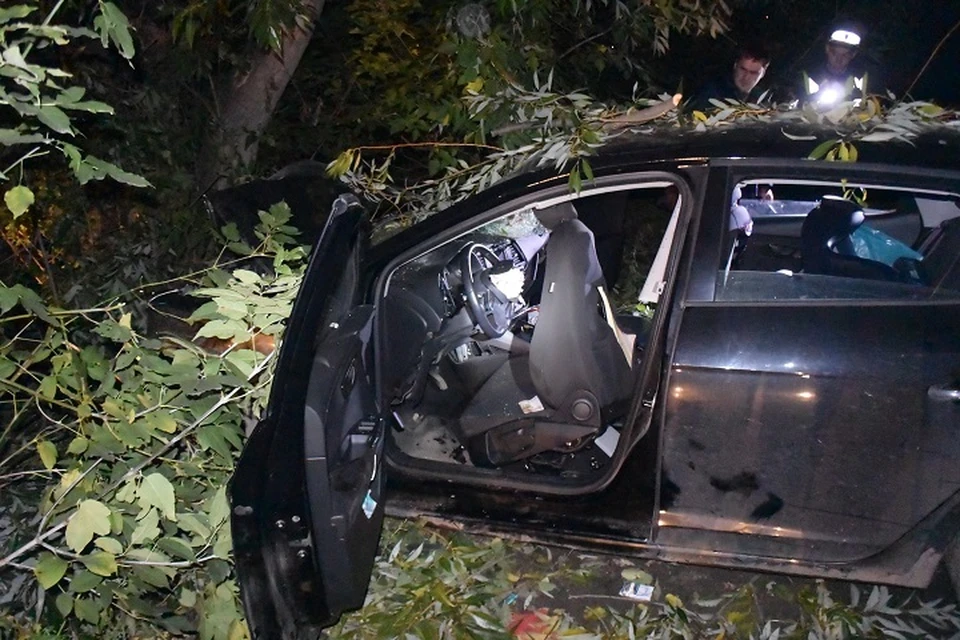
{"x": 841, "y": 241}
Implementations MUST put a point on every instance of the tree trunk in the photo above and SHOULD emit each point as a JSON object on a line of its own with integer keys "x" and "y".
{"x": 246, "y": 105}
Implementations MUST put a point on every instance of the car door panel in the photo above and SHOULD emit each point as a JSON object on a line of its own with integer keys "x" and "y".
{"x": 806, "y": 427}
{"x": 305, "y": 494}
{"x": 344, "y": 445}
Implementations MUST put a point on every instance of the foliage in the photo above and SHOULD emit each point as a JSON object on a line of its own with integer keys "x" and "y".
{"x": 66, "y": 226}
{"x": 430, "y": 583}
{"x": 42, "y": 97}
{"x": 398, "y": 71}
{"x": 562, "y": 130}
{"x": 137, "y": 438}
{"x": 265, "y": 20}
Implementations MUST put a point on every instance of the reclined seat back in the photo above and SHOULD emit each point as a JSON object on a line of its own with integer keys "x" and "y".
{"x": 576, "y": 364}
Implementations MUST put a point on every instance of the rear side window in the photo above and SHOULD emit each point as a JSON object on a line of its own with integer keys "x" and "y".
{"x": 839, "y": 241}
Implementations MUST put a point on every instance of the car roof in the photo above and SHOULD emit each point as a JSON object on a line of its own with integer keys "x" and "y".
{"x": 936, "y": 146}
{"x": 933, "y": 147}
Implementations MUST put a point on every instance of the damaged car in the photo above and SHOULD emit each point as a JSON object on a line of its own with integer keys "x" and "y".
{"x": 716, "y": 352}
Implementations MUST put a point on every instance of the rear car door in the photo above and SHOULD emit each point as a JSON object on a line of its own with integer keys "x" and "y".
{"x": 307, "y": 504}
{"x": 813, "y": 418}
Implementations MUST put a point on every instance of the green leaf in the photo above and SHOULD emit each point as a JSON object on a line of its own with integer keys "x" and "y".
{"x": 71, "y": 95}
{"x": 31, "y": 302}
{"x": 64, "y": 604}
{"x": 153, "y": 576}
{"x": 113, "y": 330}
{"x": 218, "y": 611}
{"x": 636, "y": 575}
{"x": 50, "y": 569}
{"x": 246, "y": 276}
{"x": 192, "y": 524}
{"x": 78, "y": 445}
{"x": 188, "y": 598}
{"x": 125, "y": 177}
{"x": 110, "y": 545}
{"x": 8, "y": 368}
{"x": 9, "y": 297}
{"x": 87, "y": 610}
{"x": 100, "y": 563}
{"x": 92, "y": 106}
{"x": 147, "y": 530}
{"x": 83, "y": 581}
{"x": 587, "y": 169}
{"x": 219, "y": 507}
{"x": 224, "y": 329}
{"x": 821, "y": 149}
{"x": 16, "y": 12}
{"x": 54, "y": 118}
{"x": 176, "y": 548}
{"x": 233, "y": 309}
{"x": 18, "y": 200}
{"x": 48, "y": 453}
{"x": 156, "y": 491}
{"x": 113, "y": 26}
{"x": 48, "y": 388}
{"x": 148, "y": 555}
{"x": 162, "y": 422}
{"x": 91, "y": 517}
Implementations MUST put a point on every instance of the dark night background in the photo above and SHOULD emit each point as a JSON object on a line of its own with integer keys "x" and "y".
{"x": 898, "y": 38}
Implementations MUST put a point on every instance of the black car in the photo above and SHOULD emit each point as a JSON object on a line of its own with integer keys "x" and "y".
{"x": 717, "y": 352}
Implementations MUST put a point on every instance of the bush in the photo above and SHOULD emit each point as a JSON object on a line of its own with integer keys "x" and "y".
{"x": 136, "y": 437}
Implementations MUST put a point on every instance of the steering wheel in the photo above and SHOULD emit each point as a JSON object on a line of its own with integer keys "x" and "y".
{"x": 488, "y": 307}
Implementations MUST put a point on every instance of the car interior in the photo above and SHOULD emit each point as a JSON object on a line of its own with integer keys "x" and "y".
{"x": 511, "y": 350}
{"x": 818, "y": 241}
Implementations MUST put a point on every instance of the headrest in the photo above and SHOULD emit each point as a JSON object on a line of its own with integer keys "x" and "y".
{"x": 833, "y": 218}
{"x": 553, "y": 217}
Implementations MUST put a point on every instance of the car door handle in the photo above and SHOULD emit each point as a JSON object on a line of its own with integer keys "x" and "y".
{"x": 943, "y": 393}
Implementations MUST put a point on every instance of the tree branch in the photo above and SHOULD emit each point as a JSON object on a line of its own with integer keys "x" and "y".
{"x": 631, "y": 118}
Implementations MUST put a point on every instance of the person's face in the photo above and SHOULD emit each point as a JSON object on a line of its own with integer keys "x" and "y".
{"x": 839, "y": 56}
{"x": 747, "y": 73}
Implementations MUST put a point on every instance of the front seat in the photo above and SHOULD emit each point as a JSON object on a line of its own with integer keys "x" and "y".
{"x": 827, "y": 247}
{"x": 575, "y": 378}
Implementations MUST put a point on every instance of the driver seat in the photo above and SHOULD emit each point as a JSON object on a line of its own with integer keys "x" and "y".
{"x": 576, "y": 377}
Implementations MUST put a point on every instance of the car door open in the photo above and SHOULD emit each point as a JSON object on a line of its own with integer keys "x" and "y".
{"x": 306, "y": 495}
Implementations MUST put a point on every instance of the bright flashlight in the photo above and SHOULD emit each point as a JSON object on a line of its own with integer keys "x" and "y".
{"x": 828, "y": 96}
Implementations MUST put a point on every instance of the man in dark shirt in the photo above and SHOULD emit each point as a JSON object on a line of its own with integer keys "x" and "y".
{"x": 740, "y": 84}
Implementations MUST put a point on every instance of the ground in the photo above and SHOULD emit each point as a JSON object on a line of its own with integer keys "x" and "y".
{"x": 439, "y": 584}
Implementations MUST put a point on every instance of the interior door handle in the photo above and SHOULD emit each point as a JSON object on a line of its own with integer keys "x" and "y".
{"x": 943, "y": 393}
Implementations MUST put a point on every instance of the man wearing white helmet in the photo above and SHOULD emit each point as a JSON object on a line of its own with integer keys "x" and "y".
{"x": 838, "y": 78}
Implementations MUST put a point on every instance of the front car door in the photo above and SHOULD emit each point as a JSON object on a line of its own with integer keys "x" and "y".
{"x": 306, "y": 498}
{"x": 811, "y": 421}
